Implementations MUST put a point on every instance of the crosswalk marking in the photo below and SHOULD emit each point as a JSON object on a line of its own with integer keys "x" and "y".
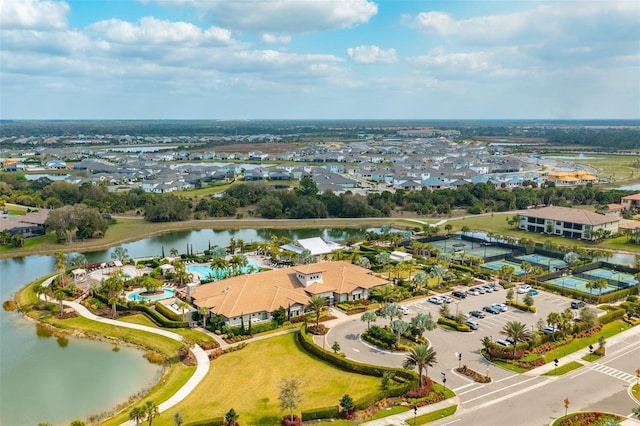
{"x": 613, "y": 372}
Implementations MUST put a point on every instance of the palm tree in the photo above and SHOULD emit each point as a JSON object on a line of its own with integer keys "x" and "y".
{"x": 422, "y": 357}
{"x": 136, "y": 414}
{"x": 183, "y": 306}
{"x": 422, "y": 323}
{"x": 399, "y": 327}
{"x": 363, "y": 262}
{"x": 60, "y": 260}
{"x": 571, "y": 258}
{"x": 173, "y": 252}
{"x": 386, "y": 293}
{"x": 438, "y": 271}
{"x": 317, "y": 304}
{"x": 553, "y": 319}
{"x": 39, "y": 289}
{"x": 601, "y": 284}
{"x": 219, "y": 264}
{"x": 420, "y": 279}
{"x": 369, "y": 317}
{"x": 516, "y": 331}
{"x": 151, "y": 410}
{"x": 204, "y": 312}
{"x": 391, "y": 311}
{"x": 60, "y": 295}
{"x": 565, "y": 322}
{"x": 526, "y": 268}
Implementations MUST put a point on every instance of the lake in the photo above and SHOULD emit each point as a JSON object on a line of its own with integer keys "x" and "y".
{"x": 44, "y": 382}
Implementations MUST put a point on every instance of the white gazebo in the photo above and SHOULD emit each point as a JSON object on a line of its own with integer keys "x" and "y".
{"x": 79, "y": 275}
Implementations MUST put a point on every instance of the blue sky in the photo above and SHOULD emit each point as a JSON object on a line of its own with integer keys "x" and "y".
{"x": 319, "y": 59}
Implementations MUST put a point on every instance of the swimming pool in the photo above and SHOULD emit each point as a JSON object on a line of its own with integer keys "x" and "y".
{"x": 166, "y": 293}
{"x": 206, "y": 273}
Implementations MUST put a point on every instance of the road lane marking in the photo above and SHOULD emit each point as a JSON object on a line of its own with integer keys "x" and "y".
{"x": 357, "y": 350}
{"x": 499, "y": 390}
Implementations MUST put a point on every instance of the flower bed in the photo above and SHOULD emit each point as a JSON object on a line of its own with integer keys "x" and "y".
{"x": 586, "y": 418}
{"x": 473, "y": 374}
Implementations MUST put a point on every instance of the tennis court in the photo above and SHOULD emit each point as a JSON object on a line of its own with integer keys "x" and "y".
{"x": 498, "y": 264}
{"x": 469, "y": 248}
{"x": 545, "y": 262}
{"x": 615, "y": 278}
{"x": 580, "y": 284}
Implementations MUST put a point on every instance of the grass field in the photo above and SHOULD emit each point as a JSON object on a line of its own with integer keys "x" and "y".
{"x": 242, "y": 380}
{"x": 636, "y": 391}
{"x": 563, "y": 369}
{"x": 195, "y": 335}
{"x": 434, "y": 415}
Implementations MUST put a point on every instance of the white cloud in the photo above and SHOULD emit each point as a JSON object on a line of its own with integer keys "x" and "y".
{"x": 272, "y": 38}
{"x": 33, "y": 14}
{"x": 154, "y": 31}
{"x": 371, "y": 54}
{"x": 290, "y": 16}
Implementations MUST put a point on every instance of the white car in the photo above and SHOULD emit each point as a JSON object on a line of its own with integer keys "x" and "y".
{"x": 473, "y": 292}
{"x": 500, "y": 306}
{"x": 446, "y": 299}
{"x": 524, "y": 289}
{"x": 435, "y": 299}
{"x": 404, "y": 310}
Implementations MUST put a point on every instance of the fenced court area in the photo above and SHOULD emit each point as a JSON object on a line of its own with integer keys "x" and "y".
{"x": 614, "y": 278}
{"x": 545, "y": 262}
{"x": 498, "y": 264}
{"x": 580, "y": 284}
{"x": 469, "y": 248}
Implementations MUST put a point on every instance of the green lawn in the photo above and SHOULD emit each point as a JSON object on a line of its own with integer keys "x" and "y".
{"x": 195, "y": 335}
{"x": 607, "y": 331}
{"x": 248, "y": 381}
{"x": 635, "y": 390}
{"x": 591, "y": 357}
{"x": 389, "y": 412}
{"x": 168, "y": 347}
{"x": 434, "y": 415}
{"x": 563, "y": 369}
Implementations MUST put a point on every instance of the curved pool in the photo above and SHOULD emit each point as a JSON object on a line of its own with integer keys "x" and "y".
{"x": 137, "y": 297}
{"x": 206, "y": 273}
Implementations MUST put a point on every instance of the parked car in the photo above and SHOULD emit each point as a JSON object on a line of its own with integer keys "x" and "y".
{"x": 435, "y": 299}
{"x": 487, "y": 288}
{"x": 491, "y": 310}
{"x": 495, "y": 287}
{"x": 548, "y": 329}
{"x": 577, "y": 304}
{"x": 477, "y": 314}
{"x": 532, "y": 292}
{"x": 524, "y": 289}
{"x": 480, "y": 290}
{"x": 459, "y": 294}
{"x": 404, "y": 310}
{"x": 446, "y": 299}
{"x": 473, "y": 292}
{"x": 503, "y": 343}
{"x": 472, "y": 324}
{"x": 500, "y": 306}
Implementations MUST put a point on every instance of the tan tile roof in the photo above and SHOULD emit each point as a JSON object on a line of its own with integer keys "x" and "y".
{"x": 267, "y": 291}
{"x": 632, "y": 197}
{"x": 567, "y": 214}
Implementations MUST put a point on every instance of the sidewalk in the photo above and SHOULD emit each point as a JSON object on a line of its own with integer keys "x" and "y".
{"x": 407, "y": 417}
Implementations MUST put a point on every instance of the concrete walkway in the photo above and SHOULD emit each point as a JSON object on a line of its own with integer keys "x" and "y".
{"x": 201, "y": 356}
{"x": 407, "y": 417}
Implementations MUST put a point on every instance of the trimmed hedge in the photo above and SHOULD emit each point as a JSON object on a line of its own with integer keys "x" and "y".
{"x": 321, "y": 413}
{"x": 522, "y": 306}
{"x": 453, "y": 324}
{"x": 156, "y": 316}
{"x": 613, "y": 313}
{"x": 162, "y": 309}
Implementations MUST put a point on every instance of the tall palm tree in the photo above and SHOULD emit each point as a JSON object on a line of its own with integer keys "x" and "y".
{"x": 137, "y": 414}
{"x": 369, "y": 317}
{"x": 420, "y": 279}
{"x": 516, "y": 331}
{"x": 422, "y": 357}
{"x": 438, "y": 271}
{"x": 204, "y": 313}
{"x": 601, "y": 284}
{"x": 553, "y": 319}
{"x": 422, "y": 323}
{"x": 317, "y": 304}
{"x": 526, "y": 268}
{"x": 60, "y": 260}
{"x": 399, "y": 327}
{"x": 151, "y": 410}
{"x": 565, "y": 322}
{"x": 60, "y": 295}
{"x": 391, "y": 311}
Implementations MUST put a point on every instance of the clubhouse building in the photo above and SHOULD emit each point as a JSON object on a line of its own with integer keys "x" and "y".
{"x": 254, "y": 297}
{"x": 569, "y": 223}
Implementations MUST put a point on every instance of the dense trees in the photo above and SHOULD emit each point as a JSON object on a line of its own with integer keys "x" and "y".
{"x": 78, "y": 220}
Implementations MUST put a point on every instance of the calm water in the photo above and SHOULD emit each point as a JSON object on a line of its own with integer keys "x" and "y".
{"x": 41, "y": 381}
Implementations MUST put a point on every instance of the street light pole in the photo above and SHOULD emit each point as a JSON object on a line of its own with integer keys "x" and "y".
{"x": 459, "y": 355}
{"x": 444, "y": 381}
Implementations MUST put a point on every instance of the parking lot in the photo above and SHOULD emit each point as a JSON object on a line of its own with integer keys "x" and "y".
{"x": 447, "y": 343}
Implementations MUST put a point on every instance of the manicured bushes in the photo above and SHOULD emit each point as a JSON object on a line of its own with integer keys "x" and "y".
{"x": 156, "y": 316}
{"x": 162, "y": 309}
{"x": 453, "y": 324}
{"x": 613, "y": 313}
{"x": 321, "y": 413}
{"x": 521, "y": 306}
{"x": 380, "y": 337}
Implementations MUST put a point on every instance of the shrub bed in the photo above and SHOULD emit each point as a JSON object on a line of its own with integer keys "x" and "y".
{"x": 321, "y": 413}
{"x": 162, "y": 309}
{"x": 522, "y": 306}
{"x": 453, "y": 324}
{"x": 587, "y": 418}
{"x": 380, "y": 337}
{"x": 477, "y": 377}
{"x": 613, "y": 313}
